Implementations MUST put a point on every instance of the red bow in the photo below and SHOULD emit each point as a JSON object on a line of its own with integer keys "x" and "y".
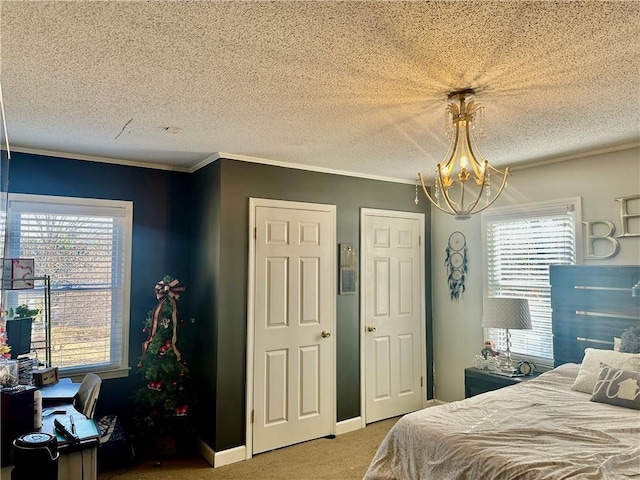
{"x": 173, "y": 289}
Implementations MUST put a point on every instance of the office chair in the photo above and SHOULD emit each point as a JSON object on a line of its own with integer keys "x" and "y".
{"x": 87, "y": 397}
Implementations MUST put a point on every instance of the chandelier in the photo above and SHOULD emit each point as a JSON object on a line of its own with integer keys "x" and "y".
{"x": 455, "y": 191}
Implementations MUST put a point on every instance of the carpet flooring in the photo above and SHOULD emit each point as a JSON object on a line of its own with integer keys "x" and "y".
{"x": 344, "y": 457}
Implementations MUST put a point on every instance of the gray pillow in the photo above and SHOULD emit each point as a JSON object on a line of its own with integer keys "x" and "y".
{"x": 617, "y": 387}
{"x": 630, "y": 340}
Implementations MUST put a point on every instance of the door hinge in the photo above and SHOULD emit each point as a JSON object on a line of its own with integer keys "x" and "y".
{"x": 419, "y": 240}
{"x": 255, "y": 233}
{"x": 422, "y": 381}
{"x": 253, "y": 416}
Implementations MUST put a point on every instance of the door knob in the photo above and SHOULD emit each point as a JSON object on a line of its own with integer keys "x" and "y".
{"x": 371, "y": 328}
{"x": 325, "y": 334}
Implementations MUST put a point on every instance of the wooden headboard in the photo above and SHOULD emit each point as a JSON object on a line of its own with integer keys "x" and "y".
{"x": 591, "y": 305}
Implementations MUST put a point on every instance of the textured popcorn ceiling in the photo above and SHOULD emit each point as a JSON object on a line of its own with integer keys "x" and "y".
{"x": 348, "y": 86}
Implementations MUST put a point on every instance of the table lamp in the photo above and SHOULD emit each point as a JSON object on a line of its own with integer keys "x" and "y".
{"x": 507, "y": 313}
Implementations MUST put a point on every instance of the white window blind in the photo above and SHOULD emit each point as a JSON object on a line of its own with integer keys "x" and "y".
{"x": 84, "y": 245}
{"x": 520, "y": 244}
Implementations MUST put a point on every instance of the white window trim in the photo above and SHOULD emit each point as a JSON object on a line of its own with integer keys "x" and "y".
{"x": 127, "y": 206}
{"x": 519, "y": 211}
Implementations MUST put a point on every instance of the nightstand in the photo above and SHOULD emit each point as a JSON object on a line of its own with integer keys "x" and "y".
{"x": 477, "y": 381}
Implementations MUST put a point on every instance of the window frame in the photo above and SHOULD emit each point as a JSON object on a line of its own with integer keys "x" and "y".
{"x": 522, "y": 212}
{"x": 121, "y": 368}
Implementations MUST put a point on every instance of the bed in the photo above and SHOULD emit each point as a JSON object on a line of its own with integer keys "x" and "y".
{"x": 547, "y": 427}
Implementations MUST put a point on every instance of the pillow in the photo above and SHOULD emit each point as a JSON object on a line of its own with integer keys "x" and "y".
{"x": 590, "y": 367}
{"x": 630, "y": 340}
{"x": 617, "y": 387}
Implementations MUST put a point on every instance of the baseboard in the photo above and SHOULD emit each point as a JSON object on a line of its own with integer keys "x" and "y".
{"x": 232, "y": 455}
{"x": 347, "y": 426}
{"x": 435, "y": 402}
{"x": 206, "y": 451}
{"x": 238, "y": 454}
{"x": 225, "y": 457}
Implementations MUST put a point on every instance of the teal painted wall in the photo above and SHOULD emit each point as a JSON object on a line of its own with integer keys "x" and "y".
{"x": 237, "y": 182}
{"x": 160, "y": 243}
{"x": 195, "y": 227}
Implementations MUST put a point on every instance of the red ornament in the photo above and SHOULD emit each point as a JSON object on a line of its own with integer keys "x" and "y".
{"x": 139, "y": 364}
{"x": 181, "y": 411}
{"x": 154, "y": 386}
{"x": 181, "y": 374}
{"x": 168, "y": 343}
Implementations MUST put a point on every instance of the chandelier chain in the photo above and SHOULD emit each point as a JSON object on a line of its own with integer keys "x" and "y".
{"x": 478, "y": 124}
{"x": 448, "y": 122}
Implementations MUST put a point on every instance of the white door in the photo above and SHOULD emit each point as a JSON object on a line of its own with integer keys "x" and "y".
{"x": 293, "y": 322}
{"x": 393, "y": 313}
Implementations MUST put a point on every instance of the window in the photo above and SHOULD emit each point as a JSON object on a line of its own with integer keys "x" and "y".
{"x": 519, "y": 245}
{"x": 84, "y": 245}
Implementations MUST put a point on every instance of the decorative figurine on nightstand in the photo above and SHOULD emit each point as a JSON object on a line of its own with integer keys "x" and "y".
{"x": 479, "y": 362}
{"x": 492, "y": 364}
{"x": 489, "y": 349}
{"x": 488, "y": 357}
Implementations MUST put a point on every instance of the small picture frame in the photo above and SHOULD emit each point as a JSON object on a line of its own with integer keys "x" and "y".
{"x": 18, "y": 273}
{"x": 348, "y": 269}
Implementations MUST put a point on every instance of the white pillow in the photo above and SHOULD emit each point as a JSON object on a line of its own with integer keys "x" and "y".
{"x": 590, "y": 367}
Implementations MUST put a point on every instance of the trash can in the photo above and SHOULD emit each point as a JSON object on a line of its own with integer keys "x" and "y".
{"x": 35, "y": 456}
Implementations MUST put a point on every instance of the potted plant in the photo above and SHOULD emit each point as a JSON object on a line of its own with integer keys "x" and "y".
{"x": 18, "y": 328}
{"x": 23, "y": 311}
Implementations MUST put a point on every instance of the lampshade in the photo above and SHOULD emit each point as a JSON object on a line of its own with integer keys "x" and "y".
{"x": 503, "y": 312}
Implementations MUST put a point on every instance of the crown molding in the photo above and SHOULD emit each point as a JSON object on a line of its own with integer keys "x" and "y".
{"x": 207, "y": 161}
{"x": 574, "y": 156}
{"x": 296, "y": 166}
{"x": 263, "y": 161}
{"x": 91, "y": 158}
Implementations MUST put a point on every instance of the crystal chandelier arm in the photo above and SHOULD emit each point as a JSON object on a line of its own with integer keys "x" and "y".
{"x": 481, "y": 184}
{"x": 453, "y": 148}
{"x": 495, "y": 197}
{"x": 433, "y": 202}
{"x": 477, "y": 162}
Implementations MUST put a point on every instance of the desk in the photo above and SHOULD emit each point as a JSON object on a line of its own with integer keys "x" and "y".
{"x": 74, "y": 459}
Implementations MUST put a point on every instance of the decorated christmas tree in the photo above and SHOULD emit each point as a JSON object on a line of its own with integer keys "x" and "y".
{"x": 163, "y": 403}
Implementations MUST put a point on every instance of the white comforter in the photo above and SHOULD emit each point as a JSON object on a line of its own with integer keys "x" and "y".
{"x": 539, "y": 429}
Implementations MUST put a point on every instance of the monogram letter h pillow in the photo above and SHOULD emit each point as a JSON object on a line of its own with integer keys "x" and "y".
{"x": 617, "y": 387}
